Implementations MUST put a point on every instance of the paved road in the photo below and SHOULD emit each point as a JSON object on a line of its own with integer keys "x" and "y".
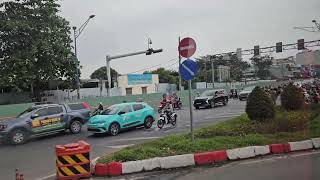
{"x": 297, "y": 166}
{"x": 37, "y": 159}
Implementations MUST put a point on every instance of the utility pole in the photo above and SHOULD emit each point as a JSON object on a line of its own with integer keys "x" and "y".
{"x": 76, "y": 34}
{"x": 212, "y": 69}
{"x": 205, "y": 72}
{"x": 180, "y": 79}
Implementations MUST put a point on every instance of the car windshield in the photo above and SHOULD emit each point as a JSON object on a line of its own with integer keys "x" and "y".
{"x": 26, "y": 112}
{"x": 207, "y": 93}
{"x": 111, "y": 110}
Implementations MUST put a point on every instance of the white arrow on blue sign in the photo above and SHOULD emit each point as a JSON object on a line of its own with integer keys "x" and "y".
{"x": 188, "y": 69}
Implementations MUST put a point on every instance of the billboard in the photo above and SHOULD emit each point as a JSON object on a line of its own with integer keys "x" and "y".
{"x": 134, "y": 79}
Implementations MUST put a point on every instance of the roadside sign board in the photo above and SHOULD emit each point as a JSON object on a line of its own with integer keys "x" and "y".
{"x": 188, "y": 69}
{"x": 187, "y": 47}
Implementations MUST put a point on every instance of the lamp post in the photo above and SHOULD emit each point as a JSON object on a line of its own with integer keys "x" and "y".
{"x": 76, "y": 34}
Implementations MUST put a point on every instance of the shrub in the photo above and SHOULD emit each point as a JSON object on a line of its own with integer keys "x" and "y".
{"x": 292, "y": 98}
{"x": 260, "y": 106}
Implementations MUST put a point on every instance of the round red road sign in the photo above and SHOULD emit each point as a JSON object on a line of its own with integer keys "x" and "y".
{"x": 187, "y": 47}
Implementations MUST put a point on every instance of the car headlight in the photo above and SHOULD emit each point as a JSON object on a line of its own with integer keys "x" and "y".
{"x": 3, "y": 127}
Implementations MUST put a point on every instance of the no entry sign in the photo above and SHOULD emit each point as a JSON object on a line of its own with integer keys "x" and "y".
{"x": 187, "y": 47}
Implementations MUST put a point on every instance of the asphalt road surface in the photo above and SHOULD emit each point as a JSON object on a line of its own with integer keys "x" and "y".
{"x": 295, "y": 166}
{"x": 36, "y": 159}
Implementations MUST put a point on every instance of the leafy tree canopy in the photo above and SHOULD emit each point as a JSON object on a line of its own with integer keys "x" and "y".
{"x": 34, "y": 44}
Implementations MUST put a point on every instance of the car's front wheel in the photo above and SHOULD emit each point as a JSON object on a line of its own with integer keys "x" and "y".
{"x": 114, "y": 129}
{"x": 75, "y": 127}
{"x": 18, "y": 136}
{"x": 148, "y": 122}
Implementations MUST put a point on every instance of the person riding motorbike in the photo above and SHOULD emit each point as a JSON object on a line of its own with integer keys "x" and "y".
{"x": 98, "y": 110}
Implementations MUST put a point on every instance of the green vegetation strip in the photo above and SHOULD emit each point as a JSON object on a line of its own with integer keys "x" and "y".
{"x": 234, "y": 133}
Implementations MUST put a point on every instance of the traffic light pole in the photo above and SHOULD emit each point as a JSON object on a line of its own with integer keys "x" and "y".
{"x": 180, "y": 79}
{"x": 109, "y": 58}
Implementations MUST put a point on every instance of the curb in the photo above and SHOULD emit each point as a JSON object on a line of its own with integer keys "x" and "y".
{"x": 204, "y": 158}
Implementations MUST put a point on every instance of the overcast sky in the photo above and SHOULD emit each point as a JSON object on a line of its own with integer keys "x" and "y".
{"x": 218, "y": 26}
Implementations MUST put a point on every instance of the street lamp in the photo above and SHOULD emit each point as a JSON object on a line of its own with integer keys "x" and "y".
{"x": 76, "y": 34}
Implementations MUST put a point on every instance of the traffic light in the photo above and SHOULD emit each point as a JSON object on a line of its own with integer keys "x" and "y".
{"x": 301, "y": 44}
{"x": 157, "y": 51}
{"x": 256, "y": 50}
{"x": 279, "y": 47}
{"x": 151, "y": 51}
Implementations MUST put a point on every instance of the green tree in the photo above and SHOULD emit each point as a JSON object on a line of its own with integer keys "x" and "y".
{"x": 35, "y": 44}
{"x": 263, "y": 64}
{"x": 166, "y": 76}
{"x": 237, "y": 67}
{"x": 260, "y": 106}
{"x": 292, "y": 98}
{"x": 101, "y": 73}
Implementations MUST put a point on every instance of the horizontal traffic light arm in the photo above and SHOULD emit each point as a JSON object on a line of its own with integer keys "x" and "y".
{"x": 273, "y": 48}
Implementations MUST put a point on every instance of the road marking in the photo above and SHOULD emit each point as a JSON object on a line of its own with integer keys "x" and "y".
{"x": 46, "y": 177}
{"x": 306, "y": 154}
{"x": 120, "y": 146}
{"x": 133, "y": 139}
{"x": 263, "y": 160}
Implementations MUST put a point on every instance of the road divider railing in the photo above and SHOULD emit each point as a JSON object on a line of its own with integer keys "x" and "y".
{"x": 73, "y": 161}
{"x": 203, "y": 158}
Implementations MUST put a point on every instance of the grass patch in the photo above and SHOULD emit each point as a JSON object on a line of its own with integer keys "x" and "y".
{"x": 233, "y": 133}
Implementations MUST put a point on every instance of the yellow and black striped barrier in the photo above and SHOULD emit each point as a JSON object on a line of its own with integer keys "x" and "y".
{"x": 73, "y": 161}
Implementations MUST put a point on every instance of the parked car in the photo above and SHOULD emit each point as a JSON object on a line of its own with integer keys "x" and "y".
{"x": 211, "y": 98}
{"x": 122, "y": 116}
{"x": 244, "y": 94}
{"x": 44, "y": 119}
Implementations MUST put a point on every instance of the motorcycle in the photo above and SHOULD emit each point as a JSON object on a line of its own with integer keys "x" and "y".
{"x": 96, "y": 112}
{"x": 177, "y": 104}
{"x": 167, "y": 117}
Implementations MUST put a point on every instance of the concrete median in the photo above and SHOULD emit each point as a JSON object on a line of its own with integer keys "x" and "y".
{"x": 316, "y": 142}
{"x": 177, "y": 161}
{"x": 241, "y": 153}
{"x": 301, "y": 145}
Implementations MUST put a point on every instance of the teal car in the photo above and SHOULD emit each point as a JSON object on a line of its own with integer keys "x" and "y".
{"x": 122, "y": 116}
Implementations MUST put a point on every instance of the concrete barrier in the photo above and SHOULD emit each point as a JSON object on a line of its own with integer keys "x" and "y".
{"x": 210, "y": 157}
{"x": 241, "y": 153}
{"x": 261, "y": 150}
{"x": 301, "y": 145}
{"x": 114, "y": 168}
{"x": 151, "y": 164}
{"x": 132, "y": 167}
{"x": 279, "y": 148}
{"x": 177, "y": 161}
{"x": 101, "y": 169}
{"x": 316, "y": 142}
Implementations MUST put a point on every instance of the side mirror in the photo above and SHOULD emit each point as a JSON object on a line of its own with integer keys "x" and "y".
{"x": 34, "y": 116}
{"x": 121, "y": 112}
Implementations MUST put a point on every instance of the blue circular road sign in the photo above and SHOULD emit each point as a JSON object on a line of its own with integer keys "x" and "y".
{"x": 188, "y": 69}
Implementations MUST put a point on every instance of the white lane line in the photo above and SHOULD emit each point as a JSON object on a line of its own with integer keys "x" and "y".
{"x": 46, "y": 177}
{"x": 120, "y": 146}
{"x": 218, "y": 117}
{"x": 305, "y": 154}
{"x": 263, "y": 160}
{"x": 133, "y": 139}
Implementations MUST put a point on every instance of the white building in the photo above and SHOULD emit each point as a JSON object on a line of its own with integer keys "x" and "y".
{"x": 132, "y": 84}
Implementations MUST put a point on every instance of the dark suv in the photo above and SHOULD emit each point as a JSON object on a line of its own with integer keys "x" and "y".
{"x": 40, "y": 120}
{"x": 211, "y": 98}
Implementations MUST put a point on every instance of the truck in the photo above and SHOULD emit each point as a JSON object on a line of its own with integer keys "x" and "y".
{"x": 43, "y": 120}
